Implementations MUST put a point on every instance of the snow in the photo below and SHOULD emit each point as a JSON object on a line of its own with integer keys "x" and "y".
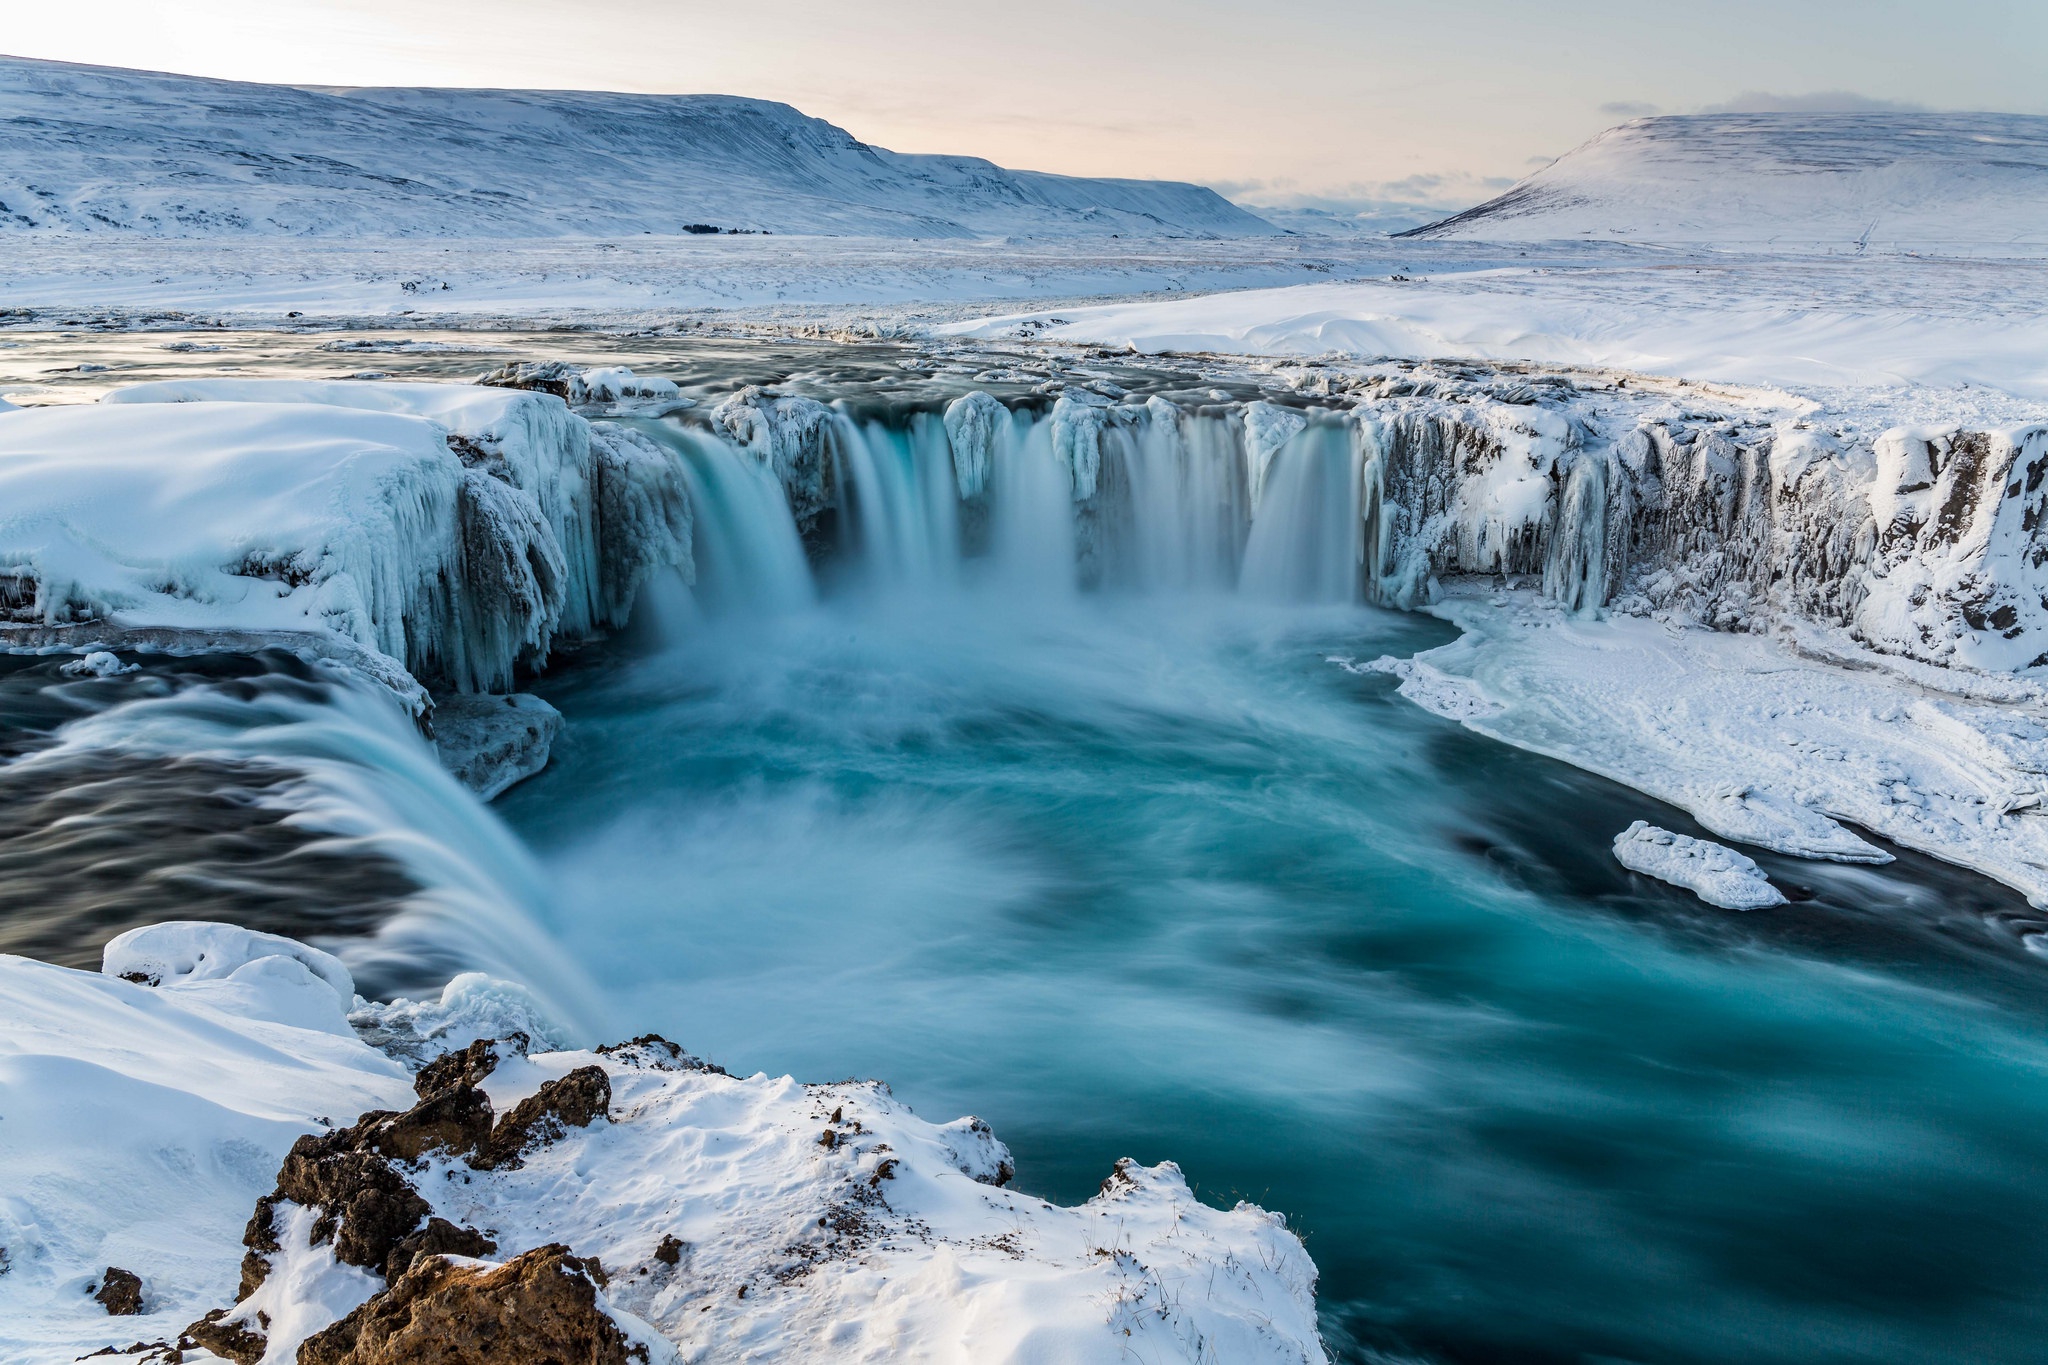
{"x": 455, "y": 529}
{"x": 891, "y": 1242}
{"x": 138, "y": 152}
{"x": 1780, "y": 741}
{"x": 271, "y": 518}
{"x": 1715, "y": 873}
{"x": 142, "y": 1123}
{"x": 1756, "y": 322}
{"x": 1825, "y": 182}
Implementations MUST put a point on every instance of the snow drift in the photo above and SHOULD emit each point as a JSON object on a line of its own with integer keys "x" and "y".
{"x": 455, "y": 531}
{"x": 101, "y": 150}
{"x": 735, "y": 1218}
{"x": 1973, "y": 183}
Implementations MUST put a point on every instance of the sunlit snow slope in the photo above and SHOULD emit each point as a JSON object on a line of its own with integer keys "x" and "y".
{"x": 103, "y": 150}
{"x": 1838, "y": 182}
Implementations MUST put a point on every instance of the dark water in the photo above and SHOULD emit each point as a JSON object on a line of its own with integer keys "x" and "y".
{"x": 1153, "y": 879}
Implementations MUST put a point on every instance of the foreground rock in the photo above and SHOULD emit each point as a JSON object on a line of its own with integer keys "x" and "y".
{"x": 506, "y": 1203}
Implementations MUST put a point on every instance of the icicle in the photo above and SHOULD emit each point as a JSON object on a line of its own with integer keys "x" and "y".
{"x": 1267, "y": 428}
{"x": 1078, "y": 421}
{"x": 972, "y": 424}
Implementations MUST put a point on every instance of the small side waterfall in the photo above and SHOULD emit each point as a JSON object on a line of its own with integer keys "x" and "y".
{"x": 1308, "y": 542}
{"x": 748, "y": 555}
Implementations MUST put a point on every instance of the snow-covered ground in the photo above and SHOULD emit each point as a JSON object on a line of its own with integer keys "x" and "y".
{"x": 736, "y": 1218}
{"x": 1824, "y": 327}
{"x": 104, "y": 151}
{"x": 1949, "y": 184}
{"x": 1774, "y": 742}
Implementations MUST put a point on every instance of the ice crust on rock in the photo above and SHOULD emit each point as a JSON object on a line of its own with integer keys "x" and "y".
{"x": 271, "y": 518}
{"x": 490, "y": 743}
{"x": 686, "y": 1187}
{"x": 455, "y": 530}
{"x": 1716, "y": 874}
{"x": 787, "y": 435}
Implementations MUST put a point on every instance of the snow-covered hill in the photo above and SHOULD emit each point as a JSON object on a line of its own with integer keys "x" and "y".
{"x": 104, "y": 150}
{"x": 1970, "y": 183}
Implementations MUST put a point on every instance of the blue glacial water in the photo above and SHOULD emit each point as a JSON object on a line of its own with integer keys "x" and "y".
{"x": 1146, "y": 876}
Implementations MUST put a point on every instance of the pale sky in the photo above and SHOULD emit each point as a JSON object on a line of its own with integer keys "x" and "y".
{"x": 1274, "y": 102}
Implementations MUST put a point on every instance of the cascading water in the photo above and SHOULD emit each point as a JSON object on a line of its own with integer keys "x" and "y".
{"x": 1028, "y": 817}
{"x": 292, "y": 799}
{"x": 990, "y": 791}
{"x": 1307, "y": 541}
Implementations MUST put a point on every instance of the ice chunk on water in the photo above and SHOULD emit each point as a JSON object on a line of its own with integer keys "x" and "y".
{"x": 1715, "y": 873}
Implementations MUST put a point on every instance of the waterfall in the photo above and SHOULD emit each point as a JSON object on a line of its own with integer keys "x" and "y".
{"x": 748, "y": 555}
{"x": 1307, "y": 542}
{"x": 1031, "y": 535}
{"x": 1188, "y": 518}
{"x": 899, "y": 485}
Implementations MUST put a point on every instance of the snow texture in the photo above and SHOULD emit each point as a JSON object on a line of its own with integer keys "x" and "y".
{"x": 455, "y": 529}
{"x": 1774, "y": 742}
{"x": 1715, "y": 873}
{"x": 490, "y": 743}
{"x": 104, "y": 151}
{"x": 895, "y": 1238}
{"x": 274, "y": 520}
{"x": 1789, "y": 181}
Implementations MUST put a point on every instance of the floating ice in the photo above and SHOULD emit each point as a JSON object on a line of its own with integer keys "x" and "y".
{"x": 1716, "y": 874}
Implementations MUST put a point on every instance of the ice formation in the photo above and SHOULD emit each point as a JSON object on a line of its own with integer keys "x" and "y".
{"x": 1715, "y": 873}
{"x": 455, "y": 530}
{"x": 741, "y": 1218}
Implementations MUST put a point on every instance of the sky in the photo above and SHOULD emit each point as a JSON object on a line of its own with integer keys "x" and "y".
{"x": 1275, "y": 102}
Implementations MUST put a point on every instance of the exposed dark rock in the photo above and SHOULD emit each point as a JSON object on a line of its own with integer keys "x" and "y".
{"x": 670, "y": 1252}
{"x": 439, "y": 1237}
{"x": 468, "y": 1067}
{"x": 563, "y": 380}
{"x": 456, "y": 1120}
{"x": 571, "y": 1101}
{"x": 119, "y": 1292}
{"x": 539, "y": 1308}
{"x": 656, "y": 1053}
{"x": 236, "y": 1341}
{"x": 366, "y": 1206}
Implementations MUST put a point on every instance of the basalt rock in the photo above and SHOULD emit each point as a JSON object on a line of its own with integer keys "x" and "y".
{"x": 235, "y": 1341}
{"x": 571, "y": 1101}
{"x": 469, "y": 1067}
{"x": 119, "y": 1292}
{"x": 540, "y": 1308}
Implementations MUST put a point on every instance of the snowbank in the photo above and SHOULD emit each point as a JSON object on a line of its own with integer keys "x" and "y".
{"x": 1764, "y": 741}
{"x": 737, "y": 1218}
{"x": 1827, "y": 182}
{"x": 1725, "y": 322}
{"x": 455, "y": 529}
{"x": 274, "y": 519}
{"x": 1716, "y": 874}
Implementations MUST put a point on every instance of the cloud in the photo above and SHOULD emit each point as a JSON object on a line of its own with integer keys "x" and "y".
{"x": 1630, "y": 109}
{"x": 1818, "y": 102}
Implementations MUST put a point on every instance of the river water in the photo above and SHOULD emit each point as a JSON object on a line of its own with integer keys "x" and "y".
{"x": 1132, "y": 869}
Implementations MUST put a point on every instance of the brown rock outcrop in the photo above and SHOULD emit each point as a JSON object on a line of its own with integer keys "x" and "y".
{"x": 539, "y": 1308}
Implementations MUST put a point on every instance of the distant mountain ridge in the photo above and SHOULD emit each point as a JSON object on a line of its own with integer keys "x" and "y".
{"x": 88, "y": 149}
{"x": 1836, "y": 182}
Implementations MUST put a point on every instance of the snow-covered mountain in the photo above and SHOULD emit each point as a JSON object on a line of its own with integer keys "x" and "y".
{"x": 1841, "y": 182}
{"x": 105, "y": 150}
